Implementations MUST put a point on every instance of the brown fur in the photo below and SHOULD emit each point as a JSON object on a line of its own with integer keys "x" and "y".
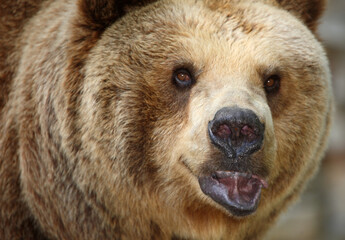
{"x": 96, "y": 142}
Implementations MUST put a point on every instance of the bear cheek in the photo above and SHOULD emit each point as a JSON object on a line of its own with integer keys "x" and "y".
{"x": 191, "y": 146}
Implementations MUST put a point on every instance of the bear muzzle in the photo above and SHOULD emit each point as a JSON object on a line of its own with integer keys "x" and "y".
{"x": 238, "y": 134}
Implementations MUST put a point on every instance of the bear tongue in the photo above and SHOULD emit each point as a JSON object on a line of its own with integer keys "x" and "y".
{"x": 237, "y": 192}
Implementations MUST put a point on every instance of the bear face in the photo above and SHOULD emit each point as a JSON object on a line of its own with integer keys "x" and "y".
{"x": 226, "y": 59}
{"x": 186, "y": 119}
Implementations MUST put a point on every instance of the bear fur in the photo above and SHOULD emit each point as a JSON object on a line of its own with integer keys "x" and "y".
{"x": 97, "y": 141}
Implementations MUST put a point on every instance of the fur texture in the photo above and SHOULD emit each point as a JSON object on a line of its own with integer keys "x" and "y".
{"x": 97, "y": 142}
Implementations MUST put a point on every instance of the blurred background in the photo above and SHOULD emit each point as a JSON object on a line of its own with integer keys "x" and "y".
{"x": 320, "y": 213}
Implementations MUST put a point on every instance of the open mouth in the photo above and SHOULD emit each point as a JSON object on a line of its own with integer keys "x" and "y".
{"x": 238, "y": 192}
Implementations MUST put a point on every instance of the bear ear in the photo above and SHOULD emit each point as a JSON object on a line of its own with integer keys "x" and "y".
{"x": 99, "y": 14}
{"x": 309, "y": 11}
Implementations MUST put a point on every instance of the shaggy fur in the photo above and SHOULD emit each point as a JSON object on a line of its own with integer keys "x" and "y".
{"x": 97, "y": 142}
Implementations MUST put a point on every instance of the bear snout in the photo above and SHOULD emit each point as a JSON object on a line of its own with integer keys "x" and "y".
{"x": 237, "y": 132}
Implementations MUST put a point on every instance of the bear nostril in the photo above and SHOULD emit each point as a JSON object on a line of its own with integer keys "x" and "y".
{"x": 249, "y": 133}
{"x": 223, "y": 131}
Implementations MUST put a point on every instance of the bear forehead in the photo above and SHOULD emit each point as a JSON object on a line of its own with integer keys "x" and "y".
{"x": 220, "y": 28}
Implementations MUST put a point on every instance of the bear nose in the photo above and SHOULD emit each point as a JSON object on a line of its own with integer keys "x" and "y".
{"x": 237, "y": 132}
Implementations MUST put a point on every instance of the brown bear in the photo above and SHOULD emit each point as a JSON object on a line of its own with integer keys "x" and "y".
{"x": 167, "y": 119}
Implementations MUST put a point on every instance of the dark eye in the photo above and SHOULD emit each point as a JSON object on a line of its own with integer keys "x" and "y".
{"x": 272, "y": 84}
{"x": 182, "y": 78}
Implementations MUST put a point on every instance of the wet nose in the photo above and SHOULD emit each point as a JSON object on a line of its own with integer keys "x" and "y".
{"x": 237, "y": 132}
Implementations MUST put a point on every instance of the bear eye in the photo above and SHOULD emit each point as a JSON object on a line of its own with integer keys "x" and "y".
{"x": 272, "y": 84}
{"x": 182, "y": 78}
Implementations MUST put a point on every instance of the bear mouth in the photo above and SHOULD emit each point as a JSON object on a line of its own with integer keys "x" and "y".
{"x": 237, "y": 192}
